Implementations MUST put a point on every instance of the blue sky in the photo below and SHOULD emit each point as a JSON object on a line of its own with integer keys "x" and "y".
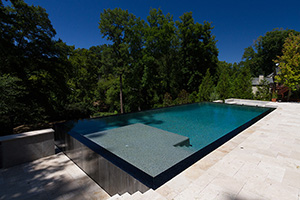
{"x": 237, "y": 23}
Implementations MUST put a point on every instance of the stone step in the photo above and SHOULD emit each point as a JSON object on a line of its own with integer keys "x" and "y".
{"x": 115, "y": 197}
{"x": 152, "y": 195}
{"x": 125, "y": 195}
{"x": 137, "y": 195}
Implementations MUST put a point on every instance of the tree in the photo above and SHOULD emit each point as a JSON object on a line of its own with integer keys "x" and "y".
{"x": 84, "y": 77}
{"x": 289, "y": 64}
{"x": 206, "y": 87}
{"x": 223, "y": 86}
{"x": 28, "y": 52}
{"x": 197, "y": 52}
{"x": 259, "y": 56}
{"x": 117, "y": 25}
{"x": 242, "y": 84}
{"x": 167, "y": 101}
{"x": 134, "y": 82}
{"x": 160, "y": 55}
{"x": 11, "y": 105}
{"x": 182, "y": 98}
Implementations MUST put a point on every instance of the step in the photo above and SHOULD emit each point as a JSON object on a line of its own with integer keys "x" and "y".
{"x": 125, "y": 195}
{"x": 115, "y": 197}
{"x": 152, "y": 195}
{"x": 136, "y": 196}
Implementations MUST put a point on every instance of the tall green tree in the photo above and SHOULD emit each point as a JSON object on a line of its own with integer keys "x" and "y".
{"x": 160, "y": 54}
{"x": 183, "y": 97}
{"x": 197, "y": 52}
{"x": 241, "y": 84}
{"x": 206, "y": 87}
{"x": 116, "y": 25}
{"x": 84, "y": 78}
{"x": 289, "y": 64}
{"x": 135, "y": 94}
{"x": 11, "y": 104}
{"x": 259, "y": 56}
{"x": 28, "y": 52}
{"x": 223, "y": 87}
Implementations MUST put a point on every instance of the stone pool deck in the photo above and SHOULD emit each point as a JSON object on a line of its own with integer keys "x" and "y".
{"x": 262, "y": 162}
{"x": 52, "y": 177}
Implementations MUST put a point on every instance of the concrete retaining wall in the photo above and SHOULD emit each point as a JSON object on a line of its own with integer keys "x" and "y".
{"x": 24, "y": 147}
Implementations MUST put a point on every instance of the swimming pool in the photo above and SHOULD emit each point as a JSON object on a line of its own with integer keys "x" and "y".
{"x": 154, "y": 146}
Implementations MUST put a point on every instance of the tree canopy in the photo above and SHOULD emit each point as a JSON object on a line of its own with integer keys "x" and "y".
{"x": 259, "y": 56}
{"x": 289, "y": 63}
{"x": 30, "y": 56}
{"x": 159, "y": 56}
{"x": 148, "y": 64}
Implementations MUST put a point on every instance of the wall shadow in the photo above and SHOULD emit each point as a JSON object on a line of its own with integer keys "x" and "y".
{"x": 53, "y": 177}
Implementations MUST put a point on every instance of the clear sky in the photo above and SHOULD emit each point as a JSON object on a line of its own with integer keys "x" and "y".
{"x": 237, "y": 23}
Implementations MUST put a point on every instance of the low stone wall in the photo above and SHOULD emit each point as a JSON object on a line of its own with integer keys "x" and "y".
{"x": 24, "y": 147}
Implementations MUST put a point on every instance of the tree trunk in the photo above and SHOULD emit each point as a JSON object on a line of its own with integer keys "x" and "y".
{"x": 121, "y": 95}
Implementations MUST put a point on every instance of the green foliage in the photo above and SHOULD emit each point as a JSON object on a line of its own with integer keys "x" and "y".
{"x": 112, "y": 92}
{"x": 29, "y": 53}
{"x": 124, "y": 30}
{"x": 234, "y": 81}
{"x": 206, "y": 87}
{"x": 144, "y": 66}
{"x": 223, "y": 87}
{"x": 182, "y": 98}
{"x": 84, "y": 77}
{"x": 103, "y": 114}
{"x": 197, "y": 52}
{"x": 193, "y": 97}
{"x": 147, "y": 55}
{"x": 263, "y": 91}
{"x": 11, "y": 91}
{"x": 77, "y": 110}
{"x": 157, "y": 57}
{"x": 11, "y": 107}
{"x": 160, "y": 54}
{"x": 167, "y": 101}
{"x": 259, "y": 57}
{"x": 241, "y": 84}
{"x": 214, "y": 95}
{"x": 107, "y": 94}
{"x": 289, "y": 63}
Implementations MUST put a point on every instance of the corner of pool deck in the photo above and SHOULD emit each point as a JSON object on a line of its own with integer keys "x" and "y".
{"x": 149, "y": 149}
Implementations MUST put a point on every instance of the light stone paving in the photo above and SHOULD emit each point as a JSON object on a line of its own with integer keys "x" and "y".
{"x": 262, "y": 162}
{"x": 53, "y": 177}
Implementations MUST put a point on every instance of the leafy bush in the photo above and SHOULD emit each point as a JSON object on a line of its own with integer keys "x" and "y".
{"x": 167, "y": 101}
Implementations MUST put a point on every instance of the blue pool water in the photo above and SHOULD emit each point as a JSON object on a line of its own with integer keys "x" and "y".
{"x": 203, "y": 123}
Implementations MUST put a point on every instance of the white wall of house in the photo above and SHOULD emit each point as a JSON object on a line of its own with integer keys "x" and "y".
{"x": 254, "y": 89}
